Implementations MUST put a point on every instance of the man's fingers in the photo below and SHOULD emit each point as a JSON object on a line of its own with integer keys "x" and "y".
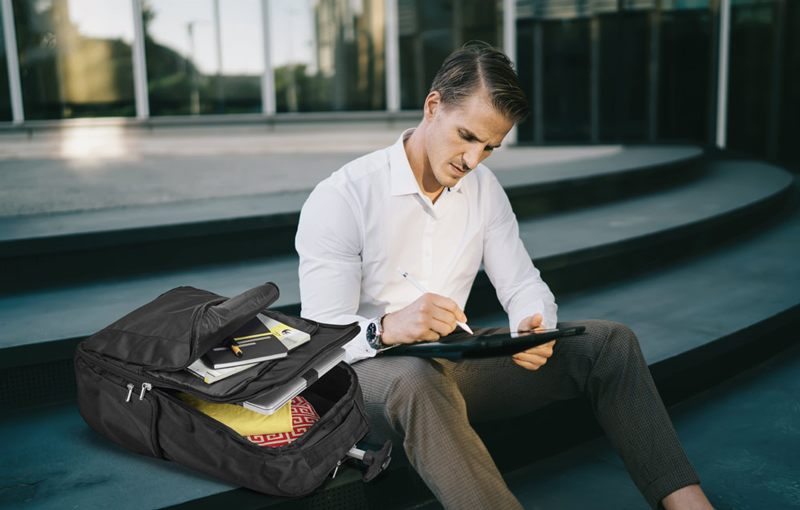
{"x": 443, "y": 316}
{"x": 527, "y": 364}
{"x": 545, "y": 350}
{"x": 531, "y": 358}
{"x": 428, "y": 335}
{"x": 443, "y": 327}
{"x": 529, "y": 323}
{"x": 449, "y": 305}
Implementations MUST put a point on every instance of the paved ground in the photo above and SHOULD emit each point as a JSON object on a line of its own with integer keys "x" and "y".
{"x": 89, "y": 168}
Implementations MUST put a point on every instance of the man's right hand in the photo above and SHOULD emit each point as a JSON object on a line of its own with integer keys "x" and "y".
{"x": 427, "y": 319}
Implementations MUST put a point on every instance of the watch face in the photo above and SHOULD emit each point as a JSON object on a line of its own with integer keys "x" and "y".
{"x": 371, "y": 332}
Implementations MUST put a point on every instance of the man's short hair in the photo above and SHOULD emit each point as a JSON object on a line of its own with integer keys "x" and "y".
{"x": 478, "y": 64}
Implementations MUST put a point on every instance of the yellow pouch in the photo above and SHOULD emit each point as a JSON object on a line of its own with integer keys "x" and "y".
{"x": 244, "y": 421}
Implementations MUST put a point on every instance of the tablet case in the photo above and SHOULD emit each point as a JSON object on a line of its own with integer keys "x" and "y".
{"x": 482, "y": 343}
{"x": 128, "y": 376}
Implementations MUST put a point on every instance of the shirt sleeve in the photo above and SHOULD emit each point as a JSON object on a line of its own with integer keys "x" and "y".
{"x": 520, "y": 288}
{"x": 329, "y": 242}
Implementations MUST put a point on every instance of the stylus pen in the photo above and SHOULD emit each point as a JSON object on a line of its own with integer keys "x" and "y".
{"x": 410, "y": 279}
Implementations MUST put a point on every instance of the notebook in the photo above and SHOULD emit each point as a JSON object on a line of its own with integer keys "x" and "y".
{"x": 202, "y": 369}
{"x": 262, "y": 338}
{"x": 243, "y": 421}
{"x": 253, "y": 351}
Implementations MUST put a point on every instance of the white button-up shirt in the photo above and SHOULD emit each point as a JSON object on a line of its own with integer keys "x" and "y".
{"x": 369, "y": 219}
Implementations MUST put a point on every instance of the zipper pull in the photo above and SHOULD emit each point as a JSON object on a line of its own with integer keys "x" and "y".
{"x": 336, "y": 469}
{"x": 130, "y": 392}
{"x": 145, "y": 387}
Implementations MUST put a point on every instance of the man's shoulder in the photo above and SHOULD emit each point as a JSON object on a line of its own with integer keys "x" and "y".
{"x": 362, "y": 171}
{"x": 357, "y": 183}
{"x": 484, "y": 178}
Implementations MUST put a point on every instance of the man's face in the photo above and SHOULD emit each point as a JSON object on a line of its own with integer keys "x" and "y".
{"x": 458, "y": 137}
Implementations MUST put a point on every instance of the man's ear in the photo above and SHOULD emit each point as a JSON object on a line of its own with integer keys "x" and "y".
{"x": 432, "y": 104}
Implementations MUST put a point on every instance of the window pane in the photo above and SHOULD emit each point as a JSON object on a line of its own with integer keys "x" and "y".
{"x": 650, "y": 61}
{"x": 75, "y": 57}
{"x": 526, "y": 60}
{"x": 750, "y": 83}
{"x": 685, "y": 73}
{"x": 623, "y": 76}
{"x": 188, "y": 72}
{"x": 328, "y": 55}
{"x": 566, "y": 59}
{"x": 429, "y": 30}
{"x": 5, "y": 96}
{"x": 789, "y": 149}
{"x": 242, "y": 56}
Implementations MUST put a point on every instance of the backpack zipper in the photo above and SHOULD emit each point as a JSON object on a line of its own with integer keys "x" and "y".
{"x": 239, "y": 397}
{"x": 145, "y": 387}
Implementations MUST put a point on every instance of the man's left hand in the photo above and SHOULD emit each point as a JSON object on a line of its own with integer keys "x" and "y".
{"x": 535, "y": 357}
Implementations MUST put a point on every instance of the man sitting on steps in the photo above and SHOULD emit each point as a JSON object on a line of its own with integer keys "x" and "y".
{"x": 427, "y": 205}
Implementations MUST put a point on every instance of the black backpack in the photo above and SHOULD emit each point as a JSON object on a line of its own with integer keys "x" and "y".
{"x": 129, "y": 373}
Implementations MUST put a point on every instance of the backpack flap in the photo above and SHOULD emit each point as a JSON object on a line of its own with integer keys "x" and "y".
{"x": 177, "y": 327}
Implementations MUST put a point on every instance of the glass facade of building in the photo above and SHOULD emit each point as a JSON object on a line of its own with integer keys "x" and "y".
{"x": 428, "y": 30}
{"x": 596, "y": 71}
{"x": 5, "y": 93}
{"x": 75, "y": 57}
{"x": 328, "y": 55}
{"x": 604, "y": 74}
{"x": 686, "y": 73}
{"x": 764, "y": 78}
{"x": 203, "y": 56}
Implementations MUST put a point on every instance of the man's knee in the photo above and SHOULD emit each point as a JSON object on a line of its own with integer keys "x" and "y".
{"x": 620, "y": 335}
{"x": 614, "y": 336}
{"x": 407, "y": 391}
{"x": 607, "y": 340}
{"x": 418, "y": 381}
{"x": 421, "y": 396}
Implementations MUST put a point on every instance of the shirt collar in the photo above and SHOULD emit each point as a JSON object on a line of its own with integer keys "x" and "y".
{"x": 403, "y": 180}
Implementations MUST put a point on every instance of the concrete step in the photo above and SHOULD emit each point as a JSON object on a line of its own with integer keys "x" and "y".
{"x": 72, "y": 246}
{"x": 569, "y": 248}
{"x": 686, "y": 315}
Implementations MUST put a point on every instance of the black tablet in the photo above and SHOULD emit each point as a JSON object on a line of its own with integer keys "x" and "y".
{"x": 484, "y": 343}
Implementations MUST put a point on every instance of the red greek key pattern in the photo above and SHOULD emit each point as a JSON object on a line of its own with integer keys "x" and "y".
{"x": 303, "y": 417}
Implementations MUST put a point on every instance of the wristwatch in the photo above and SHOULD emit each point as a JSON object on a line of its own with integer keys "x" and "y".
{"x": 374, "y": 332}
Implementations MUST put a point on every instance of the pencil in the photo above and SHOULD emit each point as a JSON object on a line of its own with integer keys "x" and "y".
{"x": 237, "y": 351}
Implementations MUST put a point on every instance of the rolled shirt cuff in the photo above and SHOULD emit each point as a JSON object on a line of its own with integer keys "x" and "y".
{"x": 358, "y": 348}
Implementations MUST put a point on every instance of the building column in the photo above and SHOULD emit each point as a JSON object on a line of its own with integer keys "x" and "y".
{"x": 510, "y": 48}
{"x": 392, "y": 45}
{"x": 139, "y": 64}
{"x": 12, "y": 61}
{"x": 594, "y": 79}
{"x": 268, "y": 76}
{"x": 654, "y": 62}
{"x": 722, "y": 74}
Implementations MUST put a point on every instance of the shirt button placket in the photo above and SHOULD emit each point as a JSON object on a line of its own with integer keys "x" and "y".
{"x": 427, "y": 249}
